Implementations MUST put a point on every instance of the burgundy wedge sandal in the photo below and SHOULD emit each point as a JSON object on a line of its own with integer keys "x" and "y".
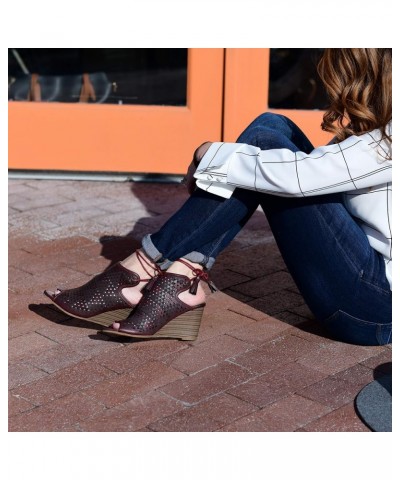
{"x": 100, "y": 300}
{"x": 160, "y": 313}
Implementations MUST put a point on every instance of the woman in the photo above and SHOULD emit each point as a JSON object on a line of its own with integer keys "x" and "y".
{"x": 329, "y": 209}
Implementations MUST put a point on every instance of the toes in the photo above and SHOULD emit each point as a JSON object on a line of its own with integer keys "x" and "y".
{"x": 115, "y": 326}
{"x": 52, "y": 294}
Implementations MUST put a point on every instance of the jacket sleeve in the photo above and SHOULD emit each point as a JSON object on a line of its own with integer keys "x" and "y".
{"x": 355, "y": 163}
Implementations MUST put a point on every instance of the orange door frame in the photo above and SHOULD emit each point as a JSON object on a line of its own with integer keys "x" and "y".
{"x": 129, "y": 138}
{"x": 246, "y": 96}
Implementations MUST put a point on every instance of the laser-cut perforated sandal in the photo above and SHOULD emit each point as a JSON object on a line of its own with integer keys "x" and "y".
{"x": 100, "y": 300}
{"x": 160, "y": 313}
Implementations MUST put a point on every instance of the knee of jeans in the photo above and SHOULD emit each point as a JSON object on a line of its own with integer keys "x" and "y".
{"x": 270, "y": 117}
{"x": 260, "y": 125}
{"x": 263, "y": 137}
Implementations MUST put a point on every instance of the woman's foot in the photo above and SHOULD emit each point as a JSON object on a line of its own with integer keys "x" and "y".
{"x": 109, "y": 296}
{"x": 135, "y": 263}
{"x": 187, "y": 297}
{"x": 141, "y": 264}
{"x": 192, "y": 296}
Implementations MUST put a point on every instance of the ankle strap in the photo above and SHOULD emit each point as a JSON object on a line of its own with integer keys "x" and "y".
{"x": 142, "y": 259}
{"x": 199, "y": 274}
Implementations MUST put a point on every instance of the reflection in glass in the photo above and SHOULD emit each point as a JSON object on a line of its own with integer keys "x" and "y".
{"x": 293, "y": 79}
{"x": 145, "y": 76}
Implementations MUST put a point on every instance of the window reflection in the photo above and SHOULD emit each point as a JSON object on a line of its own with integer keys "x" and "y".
{"x": 146, "y": 76}
{"x": 293, "y": 79}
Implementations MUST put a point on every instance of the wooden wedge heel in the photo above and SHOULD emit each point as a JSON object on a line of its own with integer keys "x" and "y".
{"x": 184, "y": 327}
{"x": 160, "y": 313}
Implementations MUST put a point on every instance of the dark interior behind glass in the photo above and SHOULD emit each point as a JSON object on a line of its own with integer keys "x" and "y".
{"x": 293, "y": 79}
{"x": 146, "y": 76}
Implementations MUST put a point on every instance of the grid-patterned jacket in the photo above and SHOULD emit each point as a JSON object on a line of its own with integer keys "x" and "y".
{"x": 360, "y": 167}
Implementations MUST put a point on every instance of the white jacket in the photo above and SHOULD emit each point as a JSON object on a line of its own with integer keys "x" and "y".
{"x": 359, "y": 167}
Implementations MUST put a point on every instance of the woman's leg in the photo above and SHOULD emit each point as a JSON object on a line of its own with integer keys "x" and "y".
{"x": 201, "y": 228}
{"x": 340, "y": 276}
{"x": 206, "y": 223}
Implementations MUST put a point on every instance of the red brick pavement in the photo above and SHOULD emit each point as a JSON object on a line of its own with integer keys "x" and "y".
{"x": 260, "y": 363}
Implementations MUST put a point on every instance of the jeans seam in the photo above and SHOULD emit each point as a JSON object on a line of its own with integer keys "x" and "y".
{"x": 380, "y": 335}
{"x": 217, "y": 244}
{"x": 376, "y": 287}
{"x": 358, "y": 319}
{"x": 378, "y": 330}
{"x": 389, "y": 337}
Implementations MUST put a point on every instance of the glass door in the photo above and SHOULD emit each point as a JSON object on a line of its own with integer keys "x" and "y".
{"x": 112, "y": 110}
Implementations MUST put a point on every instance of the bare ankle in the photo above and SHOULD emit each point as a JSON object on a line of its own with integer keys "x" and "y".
{"x": 190, "y": 270}
{"x": 181, "y": 268}
{"x": 140, "y": 263}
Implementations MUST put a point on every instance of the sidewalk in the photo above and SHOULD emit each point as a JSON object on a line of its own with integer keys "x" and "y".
{"x": 260, "y": 362}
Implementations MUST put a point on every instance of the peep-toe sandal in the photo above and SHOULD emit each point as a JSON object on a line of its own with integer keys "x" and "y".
{"x": 160, "y": 313}
{"x": 101, "y": 300}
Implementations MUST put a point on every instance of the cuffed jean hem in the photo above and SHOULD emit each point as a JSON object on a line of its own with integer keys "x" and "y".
{"x": 154, "y": 254}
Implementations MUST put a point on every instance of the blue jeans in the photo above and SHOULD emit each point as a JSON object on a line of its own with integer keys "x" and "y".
{"x": 341, "y": 278}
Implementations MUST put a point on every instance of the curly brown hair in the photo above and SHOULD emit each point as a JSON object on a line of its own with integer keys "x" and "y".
{"x": 358, "y": 82}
